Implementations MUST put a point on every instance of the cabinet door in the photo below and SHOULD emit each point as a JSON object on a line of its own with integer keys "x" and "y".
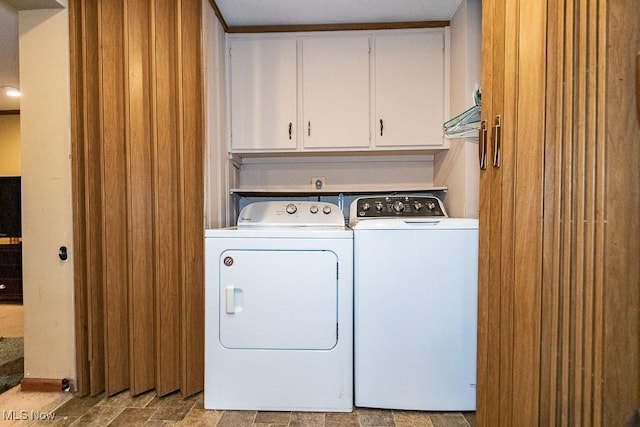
{"x": 336, "y": 92}
{"x": 409, "y": 85}
{"x": 263, "y": 94}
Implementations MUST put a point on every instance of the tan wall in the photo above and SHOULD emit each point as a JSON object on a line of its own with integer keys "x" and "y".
{"x": 46, "y": 184}
{"x": 10, "y": 164}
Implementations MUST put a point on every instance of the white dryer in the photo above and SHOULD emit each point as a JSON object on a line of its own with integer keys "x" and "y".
{"x": 415, "y": 298}
{"x": 279, "y": 310}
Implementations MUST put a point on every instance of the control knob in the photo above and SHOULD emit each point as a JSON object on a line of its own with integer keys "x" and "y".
{"x": 398, "y": 206}
{"x": 365, "y": 206}
{"x": 313, "y": 209}
{"x": 379, "y": 206}
{"x": 291, "y": 208}
{"x": 417, "y": 205}
{"x": 431, "y": 205}
{"x": 326, "y": 209}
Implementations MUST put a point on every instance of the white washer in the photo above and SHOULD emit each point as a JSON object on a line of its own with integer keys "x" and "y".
{"x": 279, "y": 310}
{"x": 415, "y": 298}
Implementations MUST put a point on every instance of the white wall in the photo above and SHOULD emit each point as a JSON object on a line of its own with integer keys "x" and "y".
{"x": 342, "y": 173}
{"x": 46, "y": 194}
{"x": 458, "y": 167}
{"x": 218, "y": 175}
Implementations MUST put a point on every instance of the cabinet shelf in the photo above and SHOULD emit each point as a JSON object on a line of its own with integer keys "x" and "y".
{"x": 244, "y": 156}
{"x": 334, "y": 190}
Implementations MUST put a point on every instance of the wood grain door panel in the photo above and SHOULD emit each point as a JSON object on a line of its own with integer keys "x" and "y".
{"x": 559, "y": 321}
{"x": 137, "y": 119}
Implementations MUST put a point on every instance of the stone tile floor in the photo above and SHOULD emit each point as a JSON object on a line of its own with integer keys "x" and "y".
{"x": 174, "y": 410}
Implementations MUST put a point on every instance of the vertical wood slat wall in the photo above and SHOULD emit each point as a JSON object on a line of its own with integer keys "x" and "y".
{"x": 620, "y": 390}
{"x": 591, "y": 277}
{"x": 137, "y": 123}
{"x": 574, "y": 217}
{"x": 559, "y": 330}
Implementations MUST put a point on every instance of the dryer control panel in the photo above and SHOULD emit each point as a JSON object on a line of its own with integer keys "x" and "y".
{"x": 291, "y": 214}
{"x": 397, "y": 206}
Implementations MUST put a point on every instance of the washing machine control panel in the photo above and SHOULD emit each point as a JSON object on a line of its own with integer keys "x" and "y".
{"x": 397, "y": 206}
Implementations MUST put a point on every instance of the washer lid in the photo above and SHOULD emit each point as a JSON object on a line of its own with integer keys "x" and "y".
{"x": 416, "y": 224}
{"x": 291, "y": 214}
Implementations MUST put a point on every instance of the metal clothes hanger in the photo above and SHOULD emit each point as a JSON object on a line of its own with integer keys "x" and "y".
{"x": 467, "y": 123}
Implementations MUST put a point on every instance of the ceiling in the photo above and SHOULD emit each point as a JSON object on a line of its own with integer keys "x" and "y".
{"x": 9, "y": 69}
{"x": 309, "y": 12}
{"x": 241, "y": 13}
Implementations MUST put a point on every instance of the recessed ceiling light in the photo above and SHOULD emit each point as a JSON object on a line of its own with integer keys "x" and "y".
{"x": 11, "y": 91}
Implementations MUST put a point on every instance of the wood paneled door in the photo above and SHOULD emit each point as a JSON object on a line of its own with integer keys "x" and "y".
{"x": 511, "y": 150}
{"x": 559, "y": 279}
{"x": 137, "y": 131}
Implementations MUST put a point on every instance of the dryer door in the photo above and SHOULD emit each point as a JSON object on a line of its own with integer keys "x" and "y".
{"x": 278, "y": 299}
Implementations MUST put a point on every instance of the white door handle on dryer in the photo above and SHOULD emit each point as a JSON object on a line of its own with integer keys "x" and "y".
{"x": 230, "y": 300}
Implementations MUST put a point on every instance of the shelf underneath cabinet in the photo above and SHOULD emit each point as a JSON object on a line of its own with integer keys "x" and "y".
{"x": 334, "y": 190}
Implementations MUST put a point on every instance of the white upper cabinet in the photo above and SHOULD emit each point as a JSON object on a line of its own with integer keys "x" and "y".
{"x": 356, "y": 91}
{"x": 409, "y": 88}
{"x": 263, "y": 94}
{"x": 336, "y": 92}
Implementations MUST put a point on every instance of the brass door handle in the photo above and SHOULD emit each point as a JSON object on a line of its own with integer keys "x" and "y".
{"x": 497, "y": 141}
{"x": 482, "y": 145}
{"x": 638, "y": 83}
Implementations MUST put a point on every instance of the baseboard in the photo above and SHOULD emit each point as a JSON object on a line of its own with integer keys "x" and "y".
{"x": 46, "y": 384}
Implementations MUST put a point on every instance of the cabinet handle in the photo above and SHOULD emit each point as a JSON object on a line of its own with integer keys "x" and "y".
{"x": 290, "y": 129}
{"x": 381, "y": 127}
{"x": 497, "y": 141}
{"x": 3, "y": 286}
{"x": 309, "y": 128}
